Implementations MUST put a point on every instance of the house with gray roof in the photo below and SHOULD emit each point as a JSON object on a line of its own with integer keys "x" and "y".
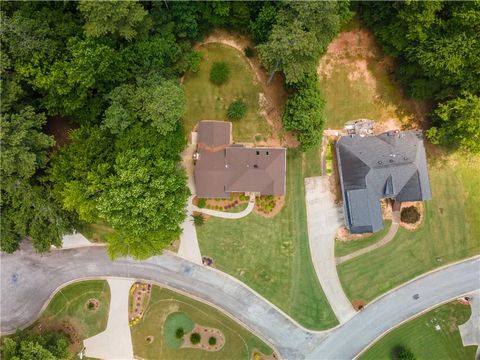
{"x": 390, "y": 165}
{"x": 222, "y": 167}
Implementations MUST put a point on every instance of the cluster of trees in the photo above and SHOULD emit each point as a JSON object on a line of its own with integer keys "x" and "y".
{"x": 29, "y": 345}
{"x": 437, "y": 44}
{"x": 298, "y": 34}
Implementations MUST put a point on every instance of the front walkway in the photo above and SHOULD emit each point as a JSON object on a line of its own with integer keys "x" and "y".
{"x": 385, "y": 240}
{"x": 470, "y": 331}
{"x": 224, "y": 214}
{"x": 115, "y": 342}
{"x": 324, "y": 219}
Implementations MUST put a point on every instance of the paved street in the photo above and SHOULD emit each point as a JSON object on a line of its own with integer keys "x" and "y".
{"x": 28, "y": 281}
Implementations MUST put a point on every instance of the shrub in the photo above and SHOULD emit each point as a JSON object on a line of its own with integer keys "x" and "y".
{"x": 202, "y": 203}
{"x": 219, "y": 73}
{"x": 194, "y": 61}
{"x": 179, "y": 333}
{"x": 400, "y": 352}
{"x": 410, "y": 215}
{"x": 90, "y": 305}
{"x": 249, "y": 52}
{"x": 198, "y": 220}
{"x": 195, "y": 338}
{"x": 212, "y": 341}
{"x": 237, "y": 110}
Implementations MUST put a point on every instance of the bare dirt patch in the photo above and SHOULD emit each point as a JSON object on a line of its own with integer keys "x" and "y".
{"x": 355, "y": 65}
{"x": 59, "y": 127}
{"x": 274, "y": 95}
{"x": 358, "y": 304}
{"x": 205, "y": 334}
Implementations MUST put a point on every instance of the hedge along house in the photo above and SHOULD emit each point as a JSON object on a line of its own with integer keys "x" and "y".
{"x": 222, "y": 167}
{"x": 390, "y": 165}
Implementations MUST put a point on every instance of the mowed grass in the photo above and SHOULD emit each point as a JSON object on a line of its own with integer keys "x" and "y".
{"x": 272, "y": 255}
{"x": 207, "y": 101}
{"x": 69, "y": 304}
{"x": 450, "y": 232}
{"x": 343, "y": 248}
{"x": 421, "y": 337}
{"x": 239, "y": 342}
{"x": 355, "y": 82}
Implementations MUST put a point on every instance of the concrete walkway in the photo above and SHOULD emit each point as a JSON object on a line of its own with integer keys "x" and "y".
{"x": 115, "y": 342}
{"x": 385, "y": 240}
{"x": 324, "y": 219}
{"x": 470, "y": 331}
{"x": 227, "y": 215}
{"x": 75, "y": 240}
{"x": 189, "y": 247}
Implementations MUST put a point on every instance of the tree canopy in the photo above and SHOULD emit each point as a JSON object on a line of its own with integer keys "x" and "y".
{"x": 29, "y": 345}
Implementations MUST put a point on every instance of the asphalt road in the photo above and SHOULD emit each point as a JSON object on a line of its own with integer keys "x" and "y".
{"x": 28, "y": 281}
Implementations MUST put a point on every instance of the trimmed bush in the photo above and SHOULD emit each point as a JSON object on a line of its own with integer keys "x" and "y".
{"x": 198, "y": 220}
{"x": 195, "y": 338}
{"x": 219, "y": 73}
{"x": 410, "y": 215}
{"x": 179, "y": 333}
{"x": 249, "y": 52}
{"x": 237, "y": 110}
{"x": 201, "y": 203}
{"x": 212, "y": 341}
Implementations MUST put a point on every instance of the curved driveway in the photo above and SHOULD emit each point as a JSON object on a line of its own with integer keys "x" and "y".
{"x": 28, "y": 280}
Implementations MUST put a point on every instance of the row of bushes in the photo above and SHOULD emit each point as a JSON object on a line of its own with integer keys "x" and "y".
{"x": 195, "y": 338}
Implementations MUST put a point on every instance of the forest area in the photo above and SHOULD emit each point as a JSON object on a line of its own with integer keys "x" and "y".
{"x": 114, "y": 69}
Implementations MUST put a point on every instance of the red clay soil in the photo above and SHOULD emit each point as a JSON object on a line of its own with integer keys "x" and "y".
{"x": 59, "y": 127}
{"x": 275, "y": 94}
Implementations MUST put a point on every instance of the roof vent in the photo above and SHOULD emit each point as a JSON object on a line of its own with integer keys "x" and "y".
{"x": 267, "y": 153}
{"x": 258, "y": 152}
{"x": 380, "y": 162}
{"x": 255, "y": 166}
{"x": 391, "y": 160}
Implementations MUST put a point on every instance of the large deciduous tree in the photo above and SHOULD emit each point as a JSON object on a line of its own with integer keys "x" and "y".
{"x": 29, "y": 345}
{"x": 27, "y": 208}
{"x": 122, "y": 19}
{"x": 304, "y": 113}
{"x": 158, "y": 102}
{"x": 458, "y": 123}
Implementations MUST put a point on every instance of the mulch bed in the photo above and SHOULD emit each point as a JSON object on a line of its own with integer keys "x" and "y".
{"x": 205, "y": 333}
{"x": 139, "y": 299}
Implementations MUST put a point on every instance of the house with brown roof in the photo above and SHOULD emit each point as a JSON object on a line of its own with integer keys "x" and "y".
{"x": 223, "y": 167}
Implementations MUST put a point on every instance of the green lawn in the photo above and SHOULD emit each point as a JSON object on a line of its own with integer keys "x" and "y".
{"x": 167, "y": 310}
{"x": 312, "y": 162}
{"x": 272, "y": 255}
{"x": 355, "y": 83}
{"x": 69, "y": 304}
{"x": 421, "y": 337}
{"x": 206, "y": 101}
{"x": 343, "y": 248}
{"x": 450, "y": 232}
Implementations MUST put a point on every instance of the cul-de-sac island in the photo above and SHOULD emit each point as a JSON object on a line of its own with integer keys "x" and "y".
{"x": 255, "y": 180}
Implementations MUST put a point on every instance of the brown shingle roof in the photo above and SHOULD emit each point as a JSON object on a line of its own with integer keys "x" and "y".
{"x": 236, "y": 168}
{"x": 214, "y": 133}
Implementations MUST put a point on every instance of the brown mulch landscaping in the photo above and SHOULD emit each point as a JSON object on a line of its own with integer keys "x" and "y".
{"x": 258, "y": 355}
{"x": 138, "y": 301}
{"x": 419, "y": 206}
{"x": 205, "y": 333}
{"x": 268, "y": 206}
{"x": 224, "y": 204}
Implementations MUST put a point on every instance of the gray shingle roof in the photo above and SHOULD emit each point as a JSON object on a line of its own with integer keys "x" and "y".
{"x": 390, "y": 165}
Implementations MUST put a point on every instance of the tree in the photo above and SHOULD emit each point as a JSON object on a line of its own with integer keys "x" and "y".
{"x": 261, "y": 27}
{"x": 457, "y": 123}
{"x": 122, "y": 19}
{"x": 304, "y": 113}
{"x": 28, "y": 345}
{"x": 27, "y": 208}
{"x": 219, "y": 73}
{"x": 160, "y": 103}
{"x": 292, "y": 50}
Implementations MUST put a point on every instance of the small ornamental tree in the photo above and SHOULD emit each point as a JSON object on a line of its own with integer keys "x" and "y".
{"x": 195, "y": 338}
{"x": 237, "y": 110}
{"x": 212, "y": 341}
{"x": 219, "y": 73}
{"x": 179, "y": 333}
{"x": 198, "y": 220}
{"x": 410, "y": 215}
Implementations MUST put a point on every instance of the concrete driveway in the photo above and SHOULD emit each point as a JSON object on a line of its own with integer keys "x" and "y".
{"x": 115, "y": 342}
{"x": 324, "y": 219}
{"x": 28, "y": 280}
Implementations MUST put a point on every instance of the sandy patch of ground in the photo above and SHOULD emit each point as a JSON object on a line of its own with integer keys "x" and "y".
{"x": 274, "y": 95}
{"x": 357, "y": 52}
{"x": 206, "y": 333}
{"x": 419, "y": 206}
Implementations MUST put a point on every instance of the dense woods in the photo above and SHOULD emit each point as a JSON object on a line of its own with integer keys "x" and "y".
{"x": 437, "y": 44}
{"x": 114, "y": 69}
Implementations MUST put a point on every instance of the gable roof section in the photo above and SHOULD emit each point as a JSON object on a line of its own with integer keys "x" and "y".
{"x": 214, "y": 133}
{"x": 391, "y": 165}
